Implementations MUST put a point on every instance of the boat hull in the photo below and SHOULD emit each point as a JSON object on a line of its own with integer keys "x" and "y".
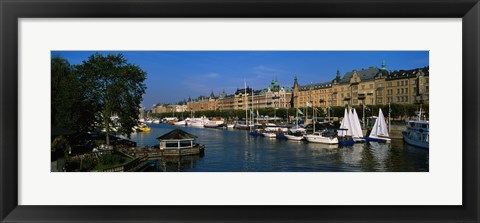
{"x": 295, "y": 138}
{"x": 320, "y": 139}
{"x": 269, "y": 135}
{"x": 416, "y": 143}
{"x": 375, "y": 139}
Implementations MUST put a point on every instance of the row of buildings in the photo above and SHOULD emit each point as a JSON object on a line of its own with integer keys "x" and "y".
{"x": 372, "y": 86}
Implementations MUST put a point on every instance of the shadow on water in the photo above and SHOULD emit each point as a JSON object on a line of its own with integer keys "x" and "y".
{"x": 171, "y": 164}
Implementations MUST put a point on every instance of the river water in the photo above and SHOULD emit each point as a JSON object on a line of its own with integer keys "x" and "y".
{"x": 235, "y": 150}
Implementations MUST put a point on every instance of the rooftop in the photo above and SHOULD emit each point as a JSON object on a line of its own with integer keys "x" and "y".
{"x": 176, "y": 134}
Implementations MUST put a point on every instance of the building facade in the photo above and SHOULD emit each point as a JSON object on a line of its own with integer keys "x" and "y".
{"x": 372, "y": 86}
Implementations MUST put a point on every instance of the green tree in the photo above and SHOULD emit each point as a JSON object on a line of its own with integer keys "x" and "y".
{"x": 69, "y": 108}
{"x": 113, "y": 87}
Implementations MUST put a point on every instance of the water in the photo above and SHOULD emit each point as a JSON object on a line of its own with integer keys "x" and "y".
{"x": 235, "y": 151}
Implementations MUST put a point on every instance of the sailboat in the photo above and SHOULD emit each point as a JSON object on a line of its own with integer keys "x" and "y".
{"x": 350, "y": 130}
{"x": 379, "y": 131}
{"x": 357, "y": 133}
{"x": 320, "y": 137}
{"x": 345, "y": 130}
{"x": 297, "y": 132}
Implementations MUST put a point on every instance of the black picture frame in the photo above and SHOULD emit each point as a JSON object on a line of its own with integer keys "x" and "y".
{"x": 11, "y": 11}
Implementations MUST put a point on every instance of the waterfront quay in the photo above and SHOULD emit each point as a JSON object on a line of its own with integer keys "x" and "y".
{"x": 233, "y": 150}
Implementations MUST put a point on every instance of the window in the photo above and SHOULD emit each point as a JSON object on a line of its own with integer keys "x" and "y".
{"x": 355, "y": 94}
{"x": 371, "y": 86}
{"x": 379, "y": 100}
{"x": 398, "y": 99}
{"x": 355, "y": 101}
{"x": 398, "y": 83}
{"x": 389, "y": 84}
{"x": 406, "y": 82}
{"x": 414, "y": 90}
{"x": 426, "y": 89}
{"x": 426, "y": 80}
{"x": 398, "y": 90}
{"x": 402, "y": 90}
{"x": 406, "y": 90}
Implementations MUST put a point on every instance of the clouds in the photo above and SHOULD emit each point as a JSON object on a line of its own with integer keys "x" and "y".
{"x": 212, "y": 75}
{"x": 264, "y": 70}
{"x": 201, "y": 84}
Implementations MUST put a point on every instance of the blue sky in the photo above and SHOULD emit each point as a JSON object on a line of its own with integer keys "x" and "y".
{"x": 176, "y": 75}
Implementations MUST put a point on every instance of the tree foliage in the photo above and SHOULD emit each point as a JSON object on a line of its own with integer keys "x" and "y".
{"x": 68, "y": 106}
{"x": 86, "y": 95}
{"x": 113, "y": 87}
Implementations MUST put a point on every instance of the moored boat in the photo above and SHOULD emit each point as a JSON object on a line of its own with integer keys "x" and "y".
{"x": 294, "y": 136}
{"x": 379, "y": 131}
{"x": 319, "y": 137}
{"x": 417, "y": 133}
{"x": 211, "y": 124}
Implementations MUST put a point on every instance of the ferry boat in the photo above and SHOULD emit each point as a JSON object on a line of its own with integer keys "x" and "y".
{"x": 417, "y": 133}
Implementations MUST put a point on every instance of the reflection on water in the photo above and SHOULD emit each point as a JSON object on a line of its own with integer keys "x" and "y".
{"x": 236, "y": 151}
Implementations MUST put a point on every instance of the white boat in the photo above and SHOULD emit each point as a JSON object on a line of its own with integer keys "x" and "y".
{"x": 297, "y": 129}
{"x": 270, "y": 134}
{"x": 379, "y": 131}
{"x": 230, "y": 125}
{"x": 350, "y": 127}
{"x": 211, "y": 124}
{"x": 357, "y": 133}
{"x": 320, "y": 137}
{"x": 317, "y": 137}
{"x": 198, "y": 122}
{"x": 183, "y": 123}
{"x": 156, "y": 121}
{"x": 417, "y": 133}
{"x": 294, "y": 137}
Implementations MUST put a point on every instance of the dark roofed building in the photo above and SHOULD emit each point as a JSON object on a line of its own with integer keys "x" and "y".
{"x": 364, "y": 75}
{"x": 177, "y": 139}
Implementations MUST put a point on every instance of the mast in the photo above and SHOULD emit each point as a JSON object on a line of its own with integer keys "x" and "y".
{"x": 246, "y": 103}
{"x": 313, "y": 118}
{"x": 296, "y": 118}
{"x": 389, "y": 125}
{"x": 251, "y": 113}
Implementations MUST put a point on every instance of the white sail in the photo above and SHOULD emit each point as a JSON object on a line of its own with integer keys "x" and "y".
{"x": 383, "y": 130}
{"x": 380, "y": 126}
{"x": 343, "y": 124}
{"x": 373, "y": 133}
{"x": 356, "y": 124}
{"x": 351, "y": 121}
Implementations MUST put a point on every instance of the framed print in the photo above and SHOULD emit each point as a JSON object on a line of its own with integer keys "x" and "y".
{"x": 332, "y": 103}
